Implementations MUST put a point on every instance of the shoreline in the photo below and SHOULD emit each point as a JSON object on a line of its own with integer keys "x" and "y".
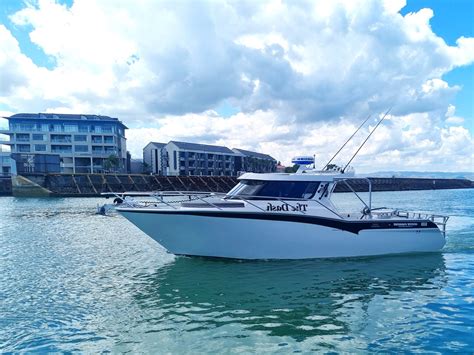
{"x": 92, "y": 185}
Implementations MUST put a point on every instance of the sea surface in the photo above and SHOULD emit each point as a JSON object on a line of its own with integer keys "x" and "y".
{"x": 72, "y": 281}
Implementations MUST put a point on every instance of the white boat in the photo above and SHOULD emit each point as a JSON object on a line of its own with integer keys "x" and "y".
{"x": 281, "y": 216}
{"x": 284, "y": 216}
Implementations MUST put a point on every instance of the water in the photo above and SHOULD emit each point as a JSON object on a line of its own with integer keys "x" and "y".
{"x": 74, "y": 281}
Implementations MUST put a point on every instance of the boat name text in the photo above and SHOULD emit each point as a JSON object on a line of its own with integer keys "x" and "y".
{"x": 285, "y": 207}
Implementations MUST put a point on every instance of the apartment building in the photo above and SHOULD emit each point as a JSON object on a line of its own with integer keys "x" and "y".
{"x": 5, "y": 163}
{"x": 253, "y": 162}
{"x": 84, "y": 143}
{"x": 154, "y": 158}
{"x": 184, "y": 158}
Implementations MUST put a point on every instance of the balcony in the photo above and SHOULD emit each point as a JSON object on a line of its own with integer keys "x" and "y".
{"x": 23, "y": 148}
{"x": 61, "y": 139}
{"x": 6, "y": 142}
{"x": 61, "y": 151}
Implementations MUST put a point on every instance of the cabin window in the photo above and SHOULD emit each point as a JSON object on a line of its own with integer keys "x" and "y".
{"x": 280, "y": 189}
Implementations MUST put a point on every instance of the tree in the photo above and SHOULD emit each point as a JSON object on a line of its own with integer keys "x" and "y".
{"x": 292, "y": 169}
{"x": 112, "y": 162}
{"x": 146, "y": 168}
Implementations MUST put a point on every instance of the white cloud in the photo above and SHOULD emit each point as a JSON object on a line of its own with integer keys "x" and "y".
{"x": 303, "y": 73}
{"x": 411, "y": 142}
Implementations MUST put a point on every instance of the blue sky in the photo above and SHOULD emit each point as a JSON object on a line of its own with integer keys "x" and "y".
{"x": 285, "y": 78}
{"x": 453, "y": 19}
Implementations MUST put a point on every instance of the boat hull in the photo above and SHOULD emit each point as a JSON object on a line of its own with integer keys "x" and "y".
{"x": 270, "y": 236}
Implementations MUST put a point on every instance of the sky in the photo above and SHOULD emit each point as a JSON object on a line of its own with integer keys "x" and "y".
{"x": 285, "y": 78}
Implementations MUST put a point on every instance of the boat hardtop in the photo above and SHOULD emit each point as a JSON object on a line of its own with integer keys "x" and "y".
{"x": 306, "y": 175}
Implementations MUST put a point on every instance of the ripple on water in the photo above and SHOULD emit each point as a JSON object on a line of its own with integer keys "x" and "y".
{"x": 75, "y": 281}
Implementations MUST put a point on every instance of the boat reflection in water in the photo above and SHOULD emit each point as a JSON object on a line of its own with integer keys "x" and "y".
{"x": 299, "y": 299}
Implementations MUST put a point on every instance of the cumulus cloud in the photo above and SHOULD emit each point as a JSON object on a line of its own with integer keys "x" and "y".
{"x": 301, "y": 73}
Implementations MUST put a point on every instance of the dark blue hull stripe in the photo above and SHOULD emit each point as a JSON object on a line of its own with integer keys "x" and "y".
{"x": 349, "y": 226}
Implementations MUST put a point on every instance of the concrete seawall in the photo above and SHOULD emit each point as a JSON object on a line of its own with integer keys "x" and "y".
{"x": 5, "y": 186}
{"x": 83, "y": 185}
{"x": 94, "y": 184}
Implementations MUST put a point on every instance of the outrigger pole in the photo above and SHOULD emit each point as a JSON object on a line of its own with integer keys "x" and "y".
{"x": 366, "y": 139}
{"x": 353, "y": 134}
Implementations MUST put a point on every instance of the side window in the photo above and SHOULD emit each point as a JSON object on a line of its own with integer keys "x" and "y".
{"x": 310, "y": 190}
{"x": 291, "y": 189}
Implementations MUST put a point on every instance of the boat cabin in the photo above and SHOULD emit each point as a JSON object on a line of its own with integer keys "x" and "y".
{"x": 304, "y": 186}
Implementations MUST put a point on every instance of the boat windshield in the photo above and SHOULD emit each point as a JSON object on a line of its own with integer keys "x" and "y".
{"x": 279, "y": 189}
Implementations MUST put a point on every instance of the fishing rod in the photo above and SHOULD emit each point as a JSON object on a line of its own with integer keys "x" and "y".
{"x": 353, "y": 134}
{"x": 386, "y": 113}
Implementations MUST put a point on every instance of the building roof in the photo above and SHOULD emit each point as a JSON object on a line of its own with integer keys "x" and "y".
{"x": 157, "y": 145}
{"x": 249, "y": 153}
{"x": 203, "y": 147}
{"x": 64, "y": 116}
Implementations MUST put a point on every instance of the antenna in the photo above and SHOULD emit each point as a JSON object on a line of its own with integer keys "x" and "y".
{"x": 386, "y": 113}
{"x": 353, "y": 134}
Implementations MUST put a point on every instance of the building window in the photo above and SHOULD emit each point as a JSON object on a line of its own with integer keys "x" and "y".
{"x": 40, "y": 147}
{"x": 23, "y": 148}
{"x": 81, "y": 148}
{"x": 59, "y": 138}
{"x": 70, "y": 128}
{"x": 61, "y": 149}
{"x": 96, "y": 129}
{"x": 109, "y": 139}
{"x": 80, "y": 138}
{"x": 107, "y": 129}
{"x": 96, "y": 139}
{"x": 83, "y": 128}
{"x": 22, "y": 137}
{"x": 97, "y": 150}
{"x": 26, "y": 127}
{"x": 55, "y": 128}
{"x": 38, "y": 137}
{"x": 175, "y": 159}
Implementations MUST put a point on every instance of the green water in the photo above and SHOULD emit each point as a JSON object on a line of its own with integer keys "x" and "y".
{"x": 74, "y": 281}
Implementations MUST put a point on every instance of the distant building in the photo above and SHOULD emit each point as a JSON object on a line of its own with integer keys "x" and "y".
{"x": 198, "y": 159}
{"x": 5, "y": 163}
{"x": 154, "y": 158}
{"x": 136, "y": 166}
{"x": 253, "y": 162}
{"x": 280, "y": 168}
{"x": 83, "y": 142}
{"x": 183, "y": 158}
